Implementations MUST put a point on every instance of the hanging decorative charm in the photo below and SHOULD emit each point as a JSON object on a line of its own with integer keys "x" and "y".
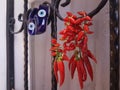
{"x": 75, "y": 38}
{"x": 37, "y": 20}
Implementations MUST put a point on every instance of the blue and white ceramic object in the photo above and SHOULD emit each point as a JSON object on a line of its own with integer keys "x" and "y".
{"x": 37, "y": 20}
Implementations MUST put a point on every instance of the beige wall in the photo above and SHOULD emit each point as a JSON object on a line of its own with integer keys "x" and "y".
{"x": 40, "y": 60}
{"x": 3, "y": 45}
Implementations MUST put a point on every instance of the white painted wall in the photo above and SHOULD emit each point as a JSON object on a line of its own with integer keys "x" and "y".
{"x": 3, "y": 45}
{"x": 19, "y": 48}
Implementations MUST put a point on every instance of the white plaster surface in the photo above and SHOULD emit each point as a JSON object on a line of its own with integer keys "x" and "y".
{"x": 19, "y": 47}
{"x": 3, "y": 45}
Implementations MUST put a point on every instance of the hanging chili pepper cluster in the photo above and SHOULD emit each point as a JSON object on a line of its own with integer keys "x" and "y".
{"x": 75, "y": 39}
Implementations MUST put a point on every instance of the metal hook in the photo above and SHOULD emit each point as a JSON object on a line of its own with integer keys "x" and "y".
{"x": 21, "y": 29}
{"x": 66, "y": 3}
{"x": 56, "y": 9}
{"x": 99, "y": 7}
{"x": 91, "y": 14}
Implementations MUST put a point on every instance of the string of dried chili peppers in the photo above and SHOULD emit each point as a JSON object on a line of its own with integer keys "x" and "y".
{"x": 75, "y": 39}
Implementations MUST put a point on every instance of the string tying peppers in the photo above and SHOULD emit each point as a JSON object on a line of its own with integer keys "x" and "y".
{"x": 75, "y": 39}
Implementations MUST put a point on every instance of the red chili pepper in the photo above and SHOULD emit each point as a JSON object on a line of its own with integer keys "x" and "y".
{"x": 62, "y": 32}
{"x": 83, "y": 44}
{"x": 57, "y": 45}
{"x": 78, "y": 21}
{"x": 71, "y": 15}
{"x": 55, "y": 67}
{"x": 73, "y": 68}
{"x": 61, "y": 70}
{"x": 89, "y": 67}
{"x": 70, "y": 62}
{"x": 85, "y": 40}
{"x": 91, "y": 56}
{"x": 72, "y": 46}
{"x": 80, "y": 74}
{"x": 86, "y": 29}
{"x": 53, "y": 53}
{"x": 70, "y": 38}
{"x": 53, "y": 48}
{"x": 83, "y": 70}
{"x": 84, "y": 48}
{"x": 65, "y": 57}
{"x": 80, "y": 35}
{"x": 54, "y": 41}
{"x": 69, "y": 27}
{"x": 72, "y": 20}
{"x": 65, "y": 44}
{"x": 60, "y": 50}
{"x": 89, "y": 23}
{"x": 69, "y": 33}
{"x": 66, "y": 19}
{"x": 78, "y": 28}
{"x": 82, "y": 13}
{"x": 64, "y": 37}
{"x": 86, "y": 18}
{"x": 69, "y": 47}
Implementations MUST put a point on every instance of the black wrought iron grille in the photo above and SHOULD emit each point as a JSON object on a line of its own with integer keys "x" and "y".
{"x": 10, "y": 44}
{"x": 114, "y": 41}
{"x": 114, "y": 44}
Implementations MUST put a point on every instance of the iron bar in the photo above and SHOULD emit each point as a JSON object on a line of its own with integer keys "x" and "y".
{"x": 10, "y": 44}
{"x": 114, "y": 44}
{"x": 25, "y": 46}
{"x": 53, "y": 35}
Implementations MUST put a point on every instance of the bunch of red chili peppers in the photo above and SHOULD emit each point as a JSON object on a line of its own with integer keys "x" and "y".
{"x": 75, "y": 39}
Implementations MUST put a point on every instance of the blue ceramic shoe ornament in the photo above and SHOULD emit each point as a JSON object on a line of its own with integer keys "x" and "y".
{"x": 37, "y": 20}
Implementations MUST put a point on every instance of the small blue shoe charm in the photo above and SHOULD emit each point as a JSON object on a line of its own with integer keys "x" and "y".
{"x": 37, "y": 20}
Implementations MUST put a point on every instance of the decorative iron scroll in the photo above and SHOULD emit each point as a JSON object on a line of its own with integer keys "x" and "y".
{"x": 114, "y": 44}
